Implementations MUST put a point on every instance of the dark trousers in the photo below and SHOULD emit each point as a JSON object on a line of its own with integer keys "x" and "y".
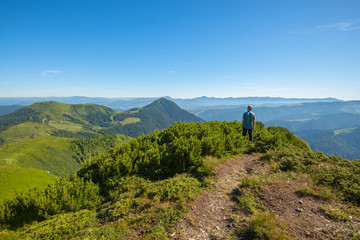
{"x": 250, "y": 131}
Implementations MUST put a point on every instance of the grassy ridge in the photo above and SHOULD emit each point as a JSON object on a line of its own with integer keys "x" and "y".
{"x": 139, "y": 189}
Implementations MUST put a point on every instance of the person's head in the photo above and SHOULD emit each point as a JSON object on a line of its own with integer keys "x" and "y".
{"x": 249, "y": 108}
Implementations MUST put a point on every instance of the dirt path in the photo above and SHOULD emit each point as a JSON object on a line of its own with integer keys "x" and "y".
{"x": 304, "y": 216}
{"x": 210, "y": 214}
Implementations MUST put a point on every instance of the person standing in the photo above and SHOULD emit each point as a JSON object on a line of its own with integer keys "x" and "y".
{"x": 248, "y": 122}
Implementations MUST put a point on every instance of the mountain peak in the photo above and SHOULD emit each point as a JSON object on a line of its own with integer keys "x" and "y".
{"x": 172, "y": 110}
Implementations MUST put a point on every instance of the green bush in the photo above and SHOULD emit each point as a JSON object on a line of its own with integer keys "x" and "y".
{"x": 181, "y": 148}
{"x": 60, "y": 197}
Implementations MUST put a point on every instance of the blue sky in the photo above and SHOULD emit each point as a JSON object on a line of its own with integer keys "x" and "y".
{"x": 180, "y": 48}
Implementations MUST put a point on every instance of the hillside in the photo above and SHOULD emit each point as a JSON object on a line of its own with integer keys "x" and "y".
{"x": 39, "y": 161}
{"x": 151, "y": 188}
{"x": 87, "y": 120}
{"x": 340, "y": 142}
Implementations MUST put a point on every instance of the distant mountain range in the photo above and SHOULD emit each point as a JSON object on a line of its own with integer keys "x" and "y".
{"x": 286, "y": 112}
{"x": 192, "y": 104}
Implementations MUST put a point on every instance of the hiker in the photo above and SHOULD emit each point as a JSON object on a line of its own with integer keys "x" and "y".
{"x": 248, "y": 122}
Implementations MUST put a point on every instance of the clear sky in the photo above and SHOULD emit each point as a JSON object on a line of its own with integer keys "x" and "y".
{"x": 180, "y": 48}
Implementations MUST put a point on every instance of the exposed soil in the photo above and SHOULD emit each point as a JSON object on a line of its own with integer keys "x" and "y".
{"x": 209, "y": 216}
{"x": 303, "y": 215}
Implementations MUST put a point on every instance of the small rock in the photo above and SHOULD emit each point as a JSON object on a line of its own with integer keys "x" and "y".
{"x": 173, "y": 234}
{"x": 217, "y": 228}
{"x": 300, "y": 202}
{"x": 299, "y": 210}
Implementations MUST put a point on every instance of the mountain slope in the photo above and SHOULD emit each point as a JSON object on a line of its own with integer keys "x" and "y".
{"x": 53, "y": 118}
{"x": 158, "y": 115}
{"x": 39, "y": 161}
{"x": 340, "y": 142}
{"x": 18, "y": 179}
{"x": 86, "y": 120}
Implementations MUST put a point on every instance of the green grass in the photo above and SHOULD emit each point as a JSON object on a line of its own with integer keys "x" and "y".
{"x": 65, "y": 125}
{"x": 317, "y": 192}
{"x": 20, "y": 160}
{"x": 46, "y": 153}
{"x": 335, "y": 213}
{"x": 263, "y": 225}
{"x": 300, "y": 120}
{"x": 19, "y": 179}
{"x": 25, "y": 131}
{"x": 130, "y": 120}
{"x": 344, "y": 131}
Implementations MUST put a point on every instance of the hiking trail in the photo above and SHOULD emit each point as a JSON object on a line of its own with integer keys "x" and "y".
{"x": 209, "y": 216}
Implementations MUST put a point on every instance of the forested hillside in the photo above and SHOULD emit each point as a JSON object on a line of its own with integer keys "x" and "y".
{"x": 142, "y": 189}
{"x": 340, "y": 142}
{"x": 87, "y": 120}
